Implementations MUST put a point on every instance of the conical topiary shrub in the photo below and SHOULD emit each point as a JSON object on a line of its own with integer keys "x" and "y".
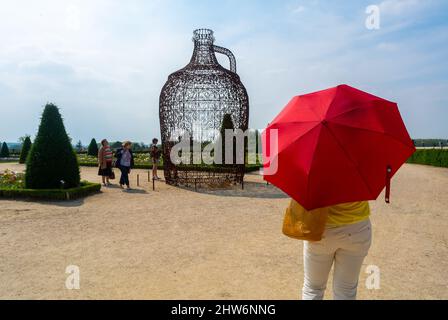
{"x": 52, "y": 162}
{"x": 4, "y": 152}
{"x": 26, "y": 146}
{"x": 226, "y": 124}
{"x": 93, "y": 148}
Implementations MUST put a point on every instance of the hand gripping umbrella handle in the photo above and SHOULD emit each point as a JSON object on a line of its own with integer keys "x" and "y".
{"x": 388, "y": 175}
{"x": 229, "y": 54}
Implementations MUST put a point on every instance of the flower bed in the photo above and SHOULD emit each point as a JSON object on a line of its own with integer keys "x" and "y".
{"x": 141, "y": 161}
{"x": 12, "y": 186}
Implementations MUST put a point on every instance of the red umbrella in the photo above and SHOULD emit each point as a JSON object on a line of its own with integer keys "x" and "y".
{"x": 335, "y": 146}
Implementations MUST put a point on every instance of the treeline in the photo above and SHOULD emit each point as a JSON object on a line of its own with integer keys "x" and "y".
{"x": 421, "y": 143}
{"x": 91, "y": 150}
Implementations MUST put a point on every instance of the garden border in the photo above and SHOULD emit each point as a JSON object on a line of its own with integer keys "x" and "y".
{"x": 85, "y": 189}
{"x": 431, "y": 157}
{"x": 249, "y": 167}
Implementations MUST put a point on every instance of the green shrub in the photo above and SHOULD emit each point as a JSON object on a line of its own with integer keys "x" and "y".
{"x": 432, "y": 157}
{"x": 444, "y": 159}
{"x": 84, "y": 189}
{"x": 26, "y": 147}
{"x": 227, "y": 124}
{"x": 92, "y": 150}
{"x": 4, "y": 152}
{"x": 51, "y": 158}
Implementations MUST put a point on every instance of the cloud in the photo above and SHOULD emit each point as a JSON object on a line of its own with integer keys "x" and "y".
{"x": 387, "y": 46}
{"x": 73, "y": 21}
{"x": 45, "y": 68}
{"x": 400, "y": 7}
{"x": 299, "y": 9}
{"x": 104, "y": 62}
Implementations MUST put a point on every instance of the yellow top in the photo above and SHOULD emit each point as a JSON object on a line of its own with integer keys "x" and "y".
{"x": 348, "y": 213}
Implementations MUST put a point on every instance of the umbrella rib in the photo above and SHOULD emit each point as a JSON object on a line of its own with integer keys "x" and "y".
{"x": 362, "y": 128}
{"x": 294, "y": 122}
{"x": 350, "y": 110}
{"x": 344, "y": 113}
{"x": 311, "y": 165}
{"x": 350, "y": 159}
{"x": 370, "y": 130}
{"x": 303, "y": 134}
{"x": 304, "y": 121}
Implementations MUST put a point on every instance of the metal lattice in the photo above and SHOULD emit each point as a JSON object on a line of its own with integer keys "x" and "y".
{"x": 195, "y": 100}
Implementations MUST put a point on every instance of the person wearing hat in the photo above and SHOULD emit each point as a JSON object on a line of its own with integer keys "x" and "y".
{"x": 125, "y": 162}
{"x": 105, "y": 159}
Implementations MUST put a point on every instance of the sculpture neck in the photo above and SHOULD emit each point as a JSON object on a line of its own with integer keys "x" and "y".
{"x": 203, "y": 53}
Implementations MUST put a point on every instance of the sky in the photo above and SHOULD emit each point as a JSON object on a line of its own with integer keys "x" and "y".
{"x": 104, "y": 62}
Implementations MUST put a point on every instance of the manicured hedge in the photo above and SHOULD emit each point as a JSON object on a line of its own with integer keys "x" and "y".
{"x": 92, "y": 150}
{"x": 136, "y": 166}
{"x": 51, "y": 158}
{"x": 249, "y": 167}
{"x": 26, "y": 147}
{"x": 431, "y": 157}
{"x": 86, "y": 188}
{"x": 253, "y": 167}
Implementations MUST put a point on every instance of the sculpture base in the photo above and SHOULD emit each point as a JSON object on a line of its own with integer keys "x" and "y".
{"x": 200, "y": 176}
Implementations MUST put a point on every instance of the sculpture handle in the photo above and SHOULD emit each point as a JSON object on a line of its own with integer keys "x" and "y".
{"x": 229, "y": 54}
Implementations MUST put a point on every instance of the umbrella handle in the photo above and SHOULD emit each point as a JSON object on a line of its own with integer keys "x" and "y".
{"x": 388, "y": 176}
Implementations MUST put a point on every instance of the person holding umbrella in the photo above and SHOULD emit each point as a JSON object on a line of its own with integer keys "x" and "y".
{"x": 335, "y": 150}
{"x": 345, "y": 240}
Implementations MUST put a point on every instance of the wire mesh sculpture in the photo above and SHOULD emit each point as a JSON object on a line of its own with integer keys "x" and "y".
{"x": 193, "y": 103}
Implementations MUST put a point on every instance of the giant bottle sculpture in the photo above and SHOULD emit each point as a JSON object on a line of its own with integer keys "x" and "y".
{"x": 195, "y": 100}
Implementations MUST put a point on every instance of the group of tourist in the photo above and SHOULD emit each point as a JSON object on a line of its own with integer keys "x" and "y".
{"x": 123, "y": 159}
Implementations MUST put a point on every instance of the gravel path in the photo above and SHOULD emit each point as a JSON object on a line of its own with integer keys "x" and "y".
{"x": 177, "y": 243}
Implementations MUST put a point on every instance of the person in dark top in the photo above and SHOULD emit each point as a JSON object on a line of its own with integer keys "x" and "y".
{"x": 154, "y": 153}
{"x": 125, "y": 161}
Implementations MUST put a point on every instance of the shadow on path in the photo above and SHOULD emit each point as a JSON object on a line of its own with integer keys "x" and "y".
{"x": 251, "y": 190}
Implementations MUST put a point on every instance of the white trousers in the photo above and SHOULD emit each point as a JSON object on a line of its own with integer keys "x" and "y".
{"x": 346, "y": 246}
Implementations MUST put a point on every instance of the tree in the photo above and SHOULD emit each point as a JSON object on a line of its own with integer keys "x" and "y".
{"x": 4, "y": 152}
{"x": 115, "y": 145}
{"x": 79, "y": 146}
{"x": 52, "y": 162}
{"x": 26, "y": 147}
{"x": 226, "y": 124}
{"x": 92, "y": 150}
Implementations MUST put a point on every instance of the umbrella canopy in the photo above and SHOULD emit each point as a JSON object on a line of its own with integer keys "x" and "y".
{"x": 335, "y": 146}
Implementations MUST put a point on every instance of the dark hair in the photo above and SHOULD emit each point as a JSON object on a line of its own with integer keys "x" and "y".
{"x": 103, "y": 141}
{"x": 155, "y": 140}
